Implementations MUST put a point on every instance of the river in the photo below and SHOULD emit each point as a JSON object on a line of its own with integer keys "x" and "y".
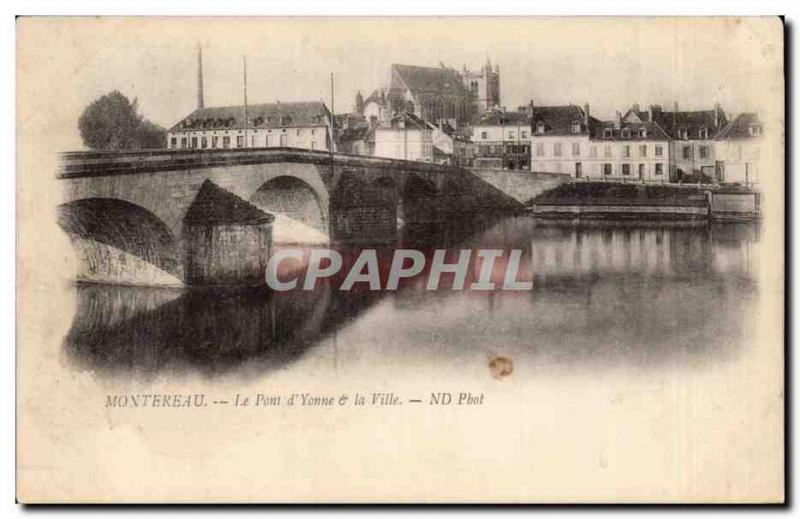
{"x": 643, "y": 295}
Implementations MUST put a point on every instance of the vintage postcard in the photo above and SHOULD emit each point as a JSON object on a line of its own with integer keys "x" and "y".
{"x": 400, "y": 260}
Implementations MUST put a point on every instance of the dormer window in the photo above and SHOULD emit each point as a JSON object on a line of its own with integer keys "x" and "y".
{"x": 607, "y": 133}
{"x": 626, "y": 133}
{"x": 576, "y": 127}
{"x": 540, "y": 128}
{"x": 683, "y": 134}
{"x": 703, "y": 133}
{"x": 643, "y": 133}
{"x": 755, "y": 131}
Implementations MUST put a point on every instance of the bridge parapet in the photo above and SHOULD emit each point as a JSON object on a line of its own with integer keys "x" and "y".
{"x": 78, "y": 164}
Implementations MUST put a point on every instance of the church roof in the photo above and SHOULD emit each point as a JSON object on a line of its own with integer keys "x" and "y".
{"x": 262, "y": 115}
{"x": 428, "y": 79}
{"x": 214, "y": 206}
{"x": 740, "y": 127}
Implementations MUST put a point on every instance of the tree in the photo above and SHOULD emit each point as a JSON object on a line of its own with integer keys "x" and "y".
{"x": 112, "y": 122}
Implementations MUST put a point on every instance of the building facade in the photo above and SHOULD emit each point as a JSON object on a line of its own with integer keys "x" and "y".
{"x": 559, "y": 139}
{"x": 692, "y": 135}
{"x": 502, "y": 139}
{"x": 406, "y": 137}
{"x": 739, "y": 150}
{"x": 303, "y": 125}
{"x": 620, "y": 150}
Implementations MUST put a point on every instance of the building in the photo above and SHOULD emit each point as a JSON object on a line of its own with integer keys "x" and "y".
{"x": 294, "y": 125}
{"x": 627, "y": 151}
{"x": 738, "y": 150}
{"x": 560, "y": 139}
{"x": 568, "y": 140}
{"x": 503, "y": 139}
{"x": 406, "y": 137}
{"x": 692, "y": 135}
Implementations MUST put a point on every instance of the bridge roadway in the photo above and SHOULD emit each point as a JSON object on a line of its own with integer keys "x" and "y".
{"x": 125, "y": 210}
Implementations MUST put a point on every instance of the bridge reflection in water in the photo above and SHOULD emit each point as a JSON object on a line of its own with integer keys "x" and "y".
{"x": 603, "y": 292}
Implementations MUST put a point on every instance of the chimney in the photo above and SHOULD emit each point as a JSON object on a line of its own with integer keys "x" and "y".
{"x": 586, "y": 114}
{"x": 650, "y": 110}
{"x": 200, "y": 103}
{"x": 636, "y": 108}
{"x": 618, "y": 120}
{"x": 675, "y": 114}
{"x": 716, "y": 115}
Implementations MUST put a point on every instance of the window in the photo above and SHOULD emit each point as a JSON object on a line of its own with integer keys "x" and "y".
{"x": 607, "y": 150}
{"x": 204, "y": 142}
{"x": 184, "y": 142}
{"x": 626, "y": 133}
{"x": 643, "y": 132}
{"x": 313, "y": 145}
{"x": 703, "y": 152}
{"x": 214, "y": 141}
{"x": 755, "y": 130}
{"x": 226, "y": 141}
{"x": 269, "y": 140}
{"x": 484, "y": 135}
{"x": 659, "y": 151}
{"x": 253, "y": 141}
{"x": 643, "y": 150}
{"x": 626, "y": 169}
{"x": 576, "y": 127}
{"x": 540, "y": 128}
{"x": 659, "y": 169}
{"x": 240, "y": 141}
{"x": 607, "y": 133}
{"x": 576, "y": 149}
{"x": 173, "y": 142}
{"x": 641, "y": 171}
{"x": 511, "y": 135}
{"x": 313, "y": 131}
{"x": 687, "y": 152}
{"x": 626, "y": 151}
{"x": 593, "y": 152}
{"x": 606, "y": 169}
{"x": 539, "y": 149}
{"x": 557, "y": 149}
{"x": 578, "y": 170}
{"x": 283, "y": 140}
{"x": 683, "y": 134}
{"x": 524, "y": 135}
{"x": 703, "y": 133}
{"x": 299, "y": 132}
{"x": 194, "y": 142}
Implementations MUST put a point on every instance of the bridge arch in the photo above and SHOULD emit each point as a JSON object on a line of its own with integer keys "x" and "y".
{"x": 293, "y": 197}
{"x": 120, "y": 242}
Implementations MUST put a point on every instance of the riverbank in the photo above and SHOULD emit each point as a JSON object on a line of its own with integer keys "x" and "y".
{"x": 637, "y": 201}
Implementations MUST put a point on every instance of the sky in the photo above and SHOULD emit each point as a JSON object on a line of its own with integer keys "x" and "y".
{"x": 606, "y": 62}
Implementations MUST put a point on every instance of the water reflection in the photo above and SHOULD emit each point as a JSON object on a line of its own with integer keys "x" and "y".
{"x": 604, "y": 292}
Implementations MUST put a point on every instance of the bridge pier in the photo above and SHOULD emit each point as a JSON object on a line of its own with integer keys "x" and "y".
{"x": 226, "y": 240}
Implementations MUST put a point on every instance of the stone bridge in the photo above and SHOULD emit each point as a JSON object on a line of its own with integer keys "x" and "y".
{"x": 136, "y": 202}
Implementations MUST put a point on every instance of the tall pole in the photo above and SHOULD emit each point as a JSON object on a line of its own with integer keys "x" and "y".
{"x": 333, "y": 125}
{"x": 200, "y": 102}
{"x": 244, "y": 68}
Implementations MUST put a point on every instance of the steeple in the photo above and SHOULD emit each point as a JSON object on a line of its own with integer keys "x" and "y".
{"x": 200, "y": 103}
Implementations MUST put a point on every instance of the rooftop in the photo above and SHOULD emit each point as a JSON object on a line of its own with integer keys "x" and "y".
{"x": 262, "y": 115}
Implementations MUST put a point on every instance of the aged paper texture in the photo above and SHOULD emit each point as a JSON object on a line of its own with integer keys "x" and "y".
{"x": 306, "y": 260}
